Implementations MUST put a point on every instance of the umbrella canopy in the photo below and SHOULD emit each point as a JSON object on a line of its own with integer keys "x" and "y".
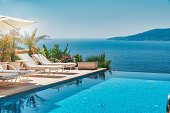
{"x": 8, "y": 23}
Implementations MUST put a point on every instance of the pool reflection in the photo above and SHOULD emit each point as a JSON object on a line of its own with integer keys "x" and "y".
{"x": 35, "y": 100}
{"x": 18, "y": 105}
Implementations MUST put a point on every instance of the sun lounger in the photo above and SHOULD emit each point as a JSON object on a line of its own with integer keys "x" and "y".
{"x": 31, "y": 64}
{"x": 8, "y": 78}
{"x": 20, "y": 72}
{"x": 44, "y": 61}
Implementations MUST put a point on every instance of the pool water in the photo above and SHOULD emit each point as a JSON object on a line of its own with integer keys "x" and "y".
{"x": 116, "y": 92}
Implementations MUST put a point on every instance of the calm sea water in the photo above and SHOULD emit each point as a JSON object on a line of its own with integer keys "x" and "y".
{"x": 143, "y": 56}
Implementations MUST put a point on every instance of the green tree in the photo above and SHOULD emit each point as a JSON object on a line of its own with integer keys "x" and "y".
{"x": 14, "y": 41}
{"x": 31, "y": 40}
{"x": 5, "y": 46}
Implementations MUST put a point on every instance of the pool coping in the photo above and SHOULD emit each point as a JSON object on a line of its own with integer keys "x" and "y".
{"x": 43, "y": 87}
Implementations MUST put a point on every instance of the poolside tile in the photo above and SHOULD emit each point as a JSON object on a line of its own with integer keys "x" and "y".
{"x": 37, "y": 81}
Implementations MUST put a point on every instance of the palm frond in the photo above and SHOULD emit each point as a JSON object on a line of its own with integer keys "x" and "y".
{"x": 31, "y": 40}
{"x": 39, "y": 38}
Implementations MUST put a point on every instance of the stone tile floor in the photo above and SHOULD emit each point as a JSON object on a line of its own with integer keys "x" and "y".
{"x": 37, "y": 80}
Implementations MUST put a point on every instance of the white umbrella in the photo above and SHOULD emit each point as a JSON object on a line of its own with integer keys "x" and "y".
{"x": 8, "y": 23}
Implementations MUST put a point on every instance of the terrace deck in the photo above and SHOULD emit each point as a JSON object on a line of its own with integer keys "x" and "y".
{"x": 37, "y": 81}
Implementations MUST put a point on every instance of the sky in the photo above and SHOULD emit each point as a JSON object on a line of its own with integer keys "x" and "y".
{"x": 89, "y": 18}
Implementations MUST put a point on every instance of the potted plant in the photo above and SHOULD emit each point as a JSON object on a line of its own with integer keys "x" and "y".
{"x": 100, "y": 60}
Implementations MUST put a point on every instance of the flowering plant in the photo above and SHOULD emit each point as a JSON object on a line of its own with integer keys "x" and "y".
{"x": 65, "y": 59}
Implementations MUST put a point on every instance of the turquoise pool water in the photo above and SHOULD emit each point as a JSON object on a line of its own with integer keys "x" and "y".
{"x": 119, "y": 92}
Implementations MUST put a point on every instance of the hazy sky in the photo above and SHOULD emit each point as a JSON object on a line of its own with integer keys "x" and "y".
{"x": 89, "y": 18}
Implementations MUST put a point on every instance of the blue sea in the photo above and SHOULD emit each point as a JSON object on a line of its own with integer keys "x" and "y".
{"x": 142, "y": 56}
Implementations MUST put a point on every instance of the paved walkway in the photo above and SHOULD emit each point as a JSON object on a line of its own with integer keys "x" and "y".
{"x": 36, "y": 81}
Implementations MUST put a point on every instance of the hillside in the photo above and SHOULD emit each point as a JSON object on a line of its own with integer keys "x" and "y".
{"x": 151, "y": 35}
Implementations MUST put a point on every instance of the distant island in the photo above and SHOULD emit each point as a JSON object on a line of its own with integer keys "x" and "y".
{"x": 151, "y": 35}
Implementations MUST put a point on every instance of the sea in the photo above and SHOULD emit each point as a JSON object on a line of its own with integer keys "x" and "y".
{"x": 130, "y": 56}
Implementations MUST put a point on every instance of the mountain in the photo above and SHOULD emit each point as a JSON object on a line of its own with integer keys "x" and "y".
{"x": 151, "y": 35}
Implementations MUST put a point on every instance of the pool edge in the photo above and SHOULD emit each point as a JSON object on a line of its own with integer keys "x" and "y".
{"x": 43, "y": 87}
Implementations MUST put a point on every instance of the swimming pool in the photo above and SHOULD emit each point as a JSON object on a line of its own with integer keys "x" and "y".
{"x": 116, "y": 92}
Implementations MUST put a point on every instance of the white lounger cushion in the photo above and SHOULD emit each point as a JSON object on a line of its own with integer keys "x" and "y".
{"x": 41, "y": 58}
{"x": 30, "y": 63}
{"x": 8, "y": 75}
{"x": 28, "y": 60}
{"x": 17, "y": 71}
{"x": 45, "y": 61}
{"x": 2, "y": 70}
{"x": 61, "y": 64}
{"x": 46, "y": 66}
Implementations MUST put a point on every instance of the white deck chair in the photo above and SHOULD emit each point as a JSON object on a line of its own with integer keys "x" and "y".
{"x": 44, "y": 61}
{"x": 8, "y": 78}
{"x": 20, "y": 72}
{"x": 31, "y": 64}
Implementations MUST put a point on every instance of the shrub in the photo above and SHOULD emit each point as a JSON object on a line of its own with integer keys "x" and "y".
{"x": 101, "y": 59}
{"x": 8, "y": 44}
{"x": 65, "y": 59}
{"x": 5, "y": 46}
{"x": 45, "y": 52}
{"x": 14, "y": 41}
{"x": 78, "y": 58}
{"x": 57, "y": 53}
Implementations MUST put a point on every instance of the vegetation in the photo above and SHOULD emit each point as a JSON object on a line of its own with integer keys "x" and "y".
{"x": 77, "y": 58}
{"x": 66, "y": 59}
{"x": 101, "y": 59}
{"x": 4, "y": 48}
{"x": 57, "y": 53}
{"x": 63, "y": 56}
{"x": 8, "y": 44}
{"x": 45, "y": 52}
{"x": 31, "y": 40}
{"x": 14, "y": 40}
